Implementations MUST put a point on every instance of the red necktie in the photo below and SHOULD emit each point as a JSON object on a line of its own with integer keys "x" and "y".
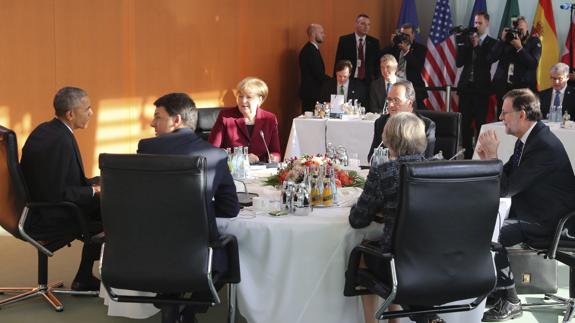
{"x": 360, "y": 57}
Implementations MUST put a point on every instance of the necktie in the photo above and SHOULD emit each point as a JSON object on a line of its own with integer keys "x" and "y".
{"x": 341, "y": 90}
{"x": 557, "y": 100}
{"x": 361, "y": 70}
{"x": 387, "y": 88}
{"x": 517, "y": 153}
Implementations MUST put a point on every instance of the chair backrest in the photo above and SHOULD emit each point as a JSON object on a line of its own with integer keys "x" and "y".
{"x": 154, "y": 212}
{"x": 443, "y": 232}
{"x": 13, "y": 191}
{"x": 447, "y": 131}
{"x": 206, "y": 120}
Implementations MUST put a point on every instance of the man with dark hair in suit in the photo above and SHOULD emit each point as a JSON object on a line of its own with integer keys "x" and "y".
{"x": 174, "y": 122}
{"x": 312, "y": 69}
{"x": 540, "y": 181}
{"x": 518, "y": 56}
{"x": 474, "y": 86}
{"x": 54, "y": 172}
{"x": 560, "y": 93}
{"x": 380, "y": 87}
{"x": 342, "y": 84}
{"x": 361, "y": 50}
{"x": 410, "y": 56}
{"x": 400, "y": 99}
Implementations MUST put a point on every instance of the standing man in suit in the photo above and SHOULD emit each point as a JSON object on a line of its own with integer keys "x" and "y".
{"x": 410, "y": 56}
{"x": 351, "y": 89}
{"x": 400, "y": 99}
{"x": 361, "y": 50}
{"x": 312, "y": 69}
{"x": 560, "y": 93}
{"x": 174, "y": 122}
{"x": 54, "y": 172}
{"x": 474, "y": 85}
{"x": 539, "y": 179}
{"x": 380, "y": 87}
{"x": 518, "y": 56}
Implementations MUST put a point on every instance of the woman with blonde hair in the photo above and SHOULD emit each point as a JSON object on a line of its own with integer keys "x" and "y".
{"x": 248, "y": 124}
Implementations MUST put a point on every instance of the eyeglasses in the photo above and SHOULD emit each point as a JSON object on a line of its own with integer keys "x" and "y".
{"x": 394, "y": 100}
{"x": 503, "y": 113}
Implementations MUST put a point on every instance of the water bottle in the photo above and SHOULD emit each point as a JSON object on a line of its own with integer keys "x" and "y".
{"x": 229, "y": 159}
{"x": 246, "y": 162}
{"x": 238, "y": 163}
{"x": 559, "y": 114}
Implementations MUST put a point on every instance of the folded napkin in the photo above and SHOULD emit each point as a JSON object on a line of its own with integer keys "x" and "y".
{"x": 347, "y": 196}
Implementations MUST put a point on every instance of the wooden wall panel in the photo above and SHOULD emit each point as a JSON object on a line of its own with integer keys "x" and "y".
{"x": 126, "y": 53}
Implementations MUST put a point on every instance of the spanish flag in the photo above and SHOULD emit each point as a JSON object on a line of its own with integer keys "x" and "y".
{"x": 544, "y": 28}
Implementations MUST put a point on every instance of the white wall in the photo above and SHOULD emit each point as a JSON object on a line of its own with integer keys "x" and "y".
{"x": 461, "y": 10}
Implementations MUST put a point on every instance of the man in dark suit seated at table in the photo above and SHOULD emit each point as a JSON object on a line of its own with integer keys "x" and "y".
{"x": 174, "y": 122}
{"x": 342, "y": 84}
{"x": 560, "y": 93}
{"x": 400, "y": 99}
{"x": 54, "y": 172}
{"x": 540, "y": 181}
{"x": 380, "y": 87}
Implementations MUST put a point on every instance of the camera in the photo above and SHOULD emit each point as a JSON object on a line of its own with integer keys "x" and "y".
{"x": 512, "y": 33}
{"x": 462, "y": 30}
{"x": 400, "y": 38}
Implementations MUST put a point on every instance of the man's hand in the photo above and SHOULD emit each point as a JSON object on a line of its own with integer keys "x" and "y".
{"x": 516, "y": 42}
{"x": 96, "y": 189}
{"x": 487, "y": 145}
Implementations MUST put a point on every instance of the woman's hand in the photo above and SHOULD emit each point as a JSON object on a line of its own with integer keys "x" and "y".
{"x": 253, "y": 158}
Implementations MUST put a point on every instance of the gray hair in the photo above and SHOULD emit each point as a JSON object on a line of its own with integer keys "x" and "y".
{"x": 404, "y": 133}
{"x": 67, "y": 98}
{"x": 388, "y": 58}
{"x": 560, "y": 68}
{"x": 409, "y": 90}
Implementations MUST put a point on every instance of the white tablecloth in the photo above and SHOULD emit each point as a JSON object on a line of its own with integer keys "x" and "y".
{"x": 309, "y": 136}
{"x": 505, "y": 150}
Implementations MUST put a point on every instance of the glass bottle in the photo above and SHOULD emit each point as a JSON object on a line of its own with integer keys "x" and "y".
{"x": 327, "y": 194}
{"x": 246, "y": 162}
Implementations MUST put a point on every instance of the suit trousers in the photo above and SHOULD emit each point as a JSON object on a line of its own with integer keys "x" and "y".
{"x": 510, "y": 234}
{"x": 473, "y": 106}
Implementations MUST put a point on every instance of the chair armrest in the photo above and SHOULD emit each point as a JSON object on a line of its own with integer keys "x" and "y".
{"x": 70, "y": 208}
{"x": 351, "y": 273}
{"x": 557, "y": 237}
{"x": 230, "y": 244}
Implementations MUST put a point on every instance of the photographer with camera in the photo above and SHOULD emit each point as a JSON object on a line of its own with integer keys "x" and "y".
{"x": 474, "y": 87}
{"x": 410, "y": 57}
{"x": 518, "y": 53}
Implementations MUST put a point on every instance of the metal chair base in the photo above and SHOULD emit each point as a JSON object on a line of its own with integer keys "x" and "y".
{"x": 46, "y": 291}
{"x": 568, "y": 303}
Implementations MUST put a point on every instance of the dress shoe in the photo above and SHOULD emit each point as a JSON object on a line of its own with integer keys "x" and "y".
{"x": 85, "y": 285}
{"x": 503, "y": 310}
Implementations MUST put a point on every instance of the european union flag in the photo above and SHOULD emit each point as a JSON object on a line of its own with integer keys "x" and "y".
{"x": 408, "y": 14}
{"x": 480, "y": 5}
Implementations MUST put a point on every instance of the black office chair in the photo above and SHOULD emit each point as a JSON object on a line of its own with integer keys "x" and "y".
{"x": 16, "y": 212}
{"x": 206, "y": 119}
{"x": 154, "y": 212}
{"x": 441, "y": 248}
{"x": 561, "y": 248}
{"x": 447, "y": 131}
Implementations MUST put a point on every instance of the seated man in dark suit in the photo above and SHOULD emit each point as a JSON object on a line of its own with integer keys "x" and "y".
{"x": 380, "y": 87}
{"x": 53, "y": 169}
{"x": 540, "y": 181}
{"x": 351, "y": 89}
{"x": 400, "y": 99}
{"x": 174, "y": 121}
{"x": 560, "y": 93}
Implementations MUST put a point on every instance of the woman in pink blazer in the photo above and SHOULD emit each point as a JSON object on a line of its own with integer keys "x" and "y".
{"x": 242, "y": 126}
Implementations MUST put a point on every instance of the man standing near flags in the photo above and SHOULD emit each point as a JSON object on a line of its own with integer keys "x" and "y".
{"x": 361, "y": 50}
{"x": 410, "y": 56}
{"x": 518, "y": 53}
{"x": 474, "y": 88}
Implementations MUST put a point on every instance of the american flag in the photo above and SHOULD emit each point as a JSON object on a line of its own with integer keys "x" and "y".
{"x": 439, "y": 68}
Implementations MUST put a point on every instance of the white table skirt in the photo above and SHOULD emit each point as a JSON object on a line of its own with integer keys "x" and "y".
{"x": 310, "y": 136}
{"x": 507, "y": 142}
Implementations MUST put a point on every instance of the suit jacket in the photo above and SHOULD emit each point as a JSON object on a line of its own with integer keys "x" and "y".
{"x": 525, "y": 64}
{"x": 347, "y": 49}
{"x": 380, "y": 124}
{"x": 356, "y": 90}
{"x": 414, "y": 61}
{"x": 221, "y": 190}
{"x": 312, "y": 71}
{"x": 568, "y": 102}
{"x": 230, "y": 131}
{"x": 481, "y": 66}
{"x": 378, "y": 94}
{"x": 542, "y": 188}
{"x": 53, "y": 169}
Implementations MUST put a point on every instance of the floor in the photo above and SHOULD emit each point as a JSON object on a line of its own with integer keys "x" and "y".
{"x": 18, "y": 267}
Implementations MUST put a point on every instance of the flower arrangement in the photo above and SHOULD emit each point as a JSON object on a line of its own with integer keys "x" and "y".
{"x": 294, "y": 171}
